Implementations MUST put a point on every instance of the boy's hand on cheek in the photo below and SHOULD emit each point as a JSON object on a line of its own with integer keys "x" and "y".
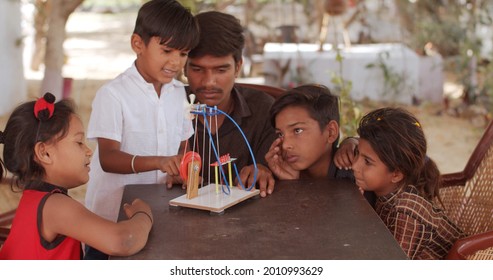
{"x": 273, "y": 154}
{"x": 276, "y": 163}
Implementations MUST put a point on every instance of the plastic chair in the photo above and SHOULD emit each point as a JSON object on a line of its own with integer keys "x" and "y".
{"x": 467, "y": 197}
{"x": 6, "y": 218}
{"x": 5, "y": 221}
{"x": 275, "y": 92}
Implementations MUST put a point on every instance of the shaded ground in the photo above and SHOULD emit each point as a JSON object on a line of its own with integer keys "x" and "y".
{"x": 98, "y": 49}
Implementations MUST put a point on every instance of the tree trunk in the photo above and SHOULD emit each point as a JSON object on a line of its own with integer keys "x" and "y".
{"x": 55, "y": 36}
{"x": 40, "y": 25}
{"x": 13, "y": 85}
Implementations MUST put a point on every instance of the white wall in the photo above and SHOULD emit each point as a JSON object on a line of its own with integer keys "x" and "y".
{"x": 12, "y": 82}
{"x": 418, "y": 77}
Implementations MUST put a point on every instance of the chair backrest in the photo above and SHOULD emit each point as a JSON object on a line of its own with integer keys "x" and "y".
{"x": 7, "y": 217}
{"x": 275, "y": 92}
{"x": 5, "y": 221}
{"x": 467, "y": 196}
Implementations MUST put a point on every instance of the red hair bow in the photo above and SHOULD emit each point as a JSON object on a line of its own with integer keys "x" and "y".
{"x": 44, "y": 107}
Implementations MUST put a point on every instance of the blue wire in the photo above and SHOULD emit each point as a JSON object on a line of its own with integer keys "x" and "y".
{"x": 216, "y": 153}
{"x": 204, "y": 114}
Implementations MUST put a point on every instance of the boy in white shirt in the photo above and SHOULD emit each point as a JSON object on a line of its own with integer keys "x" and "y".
{"x": 138, "y": 118}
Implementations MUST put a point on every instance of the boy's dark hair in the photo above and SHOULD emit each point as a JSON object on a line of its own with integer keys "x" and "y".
{"x": 23, "y": 131}
{"x": 318, "y": 101}
{"x": 168, "y": 20}
{"x": 399, "y": 141}
{"x": 220, "y": 35}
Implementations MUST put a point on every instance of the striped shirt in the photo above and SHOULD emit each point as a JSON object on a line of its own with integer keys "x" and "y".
{"x": 421, "y": 229}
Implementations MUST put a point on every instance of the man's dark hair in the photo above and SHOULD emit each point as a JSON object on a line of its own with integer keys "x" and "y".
{"x": 220, "y": 35}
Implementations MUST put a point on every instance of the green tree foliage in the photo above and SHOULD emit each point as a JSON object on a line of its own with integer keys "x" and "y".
{"x": 452, "y": 27}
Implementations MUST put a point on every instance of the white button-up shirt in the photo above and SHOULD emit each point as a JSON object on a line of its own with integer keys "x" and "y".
{"x": 128, "y": 110}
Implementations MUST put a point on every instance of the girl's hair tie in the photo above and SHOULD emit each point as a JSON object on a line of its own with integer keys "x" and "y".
{"x": 44, "y": 107}
{"x": 2, "y": 137}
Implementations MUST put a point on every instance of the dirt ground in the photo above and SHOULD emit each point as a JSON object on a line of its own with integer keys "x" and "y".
{"x": 98, "y": 49}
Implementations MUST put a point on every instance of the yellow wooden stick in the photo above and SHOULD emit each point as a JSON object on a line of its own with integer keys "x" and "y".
{"x": 230, "y": 175}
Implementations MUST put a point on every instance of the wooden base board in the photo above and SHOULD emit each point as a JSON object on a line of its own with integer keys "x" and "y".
{"x": 209, "y": 200}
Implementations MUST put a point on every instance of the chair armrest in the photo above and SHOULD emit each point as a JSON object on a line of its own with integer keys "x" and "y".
{"x": 4, "y": 232}
{"x": 470, "y": 245}
{"x": 453, "y": 179}
{"x": 7, "y": 217}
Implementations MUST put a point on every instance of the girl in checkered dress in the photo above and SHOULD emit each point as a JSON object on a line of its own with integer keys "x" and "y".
{"x": 391, "y": 161}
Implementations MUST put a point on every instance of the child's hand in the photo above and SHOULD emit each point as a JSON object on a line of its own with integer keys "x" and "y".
{"x": 137, "y": 205}
{"x": 264, "y": 179}
{"x": 170, "y": 165}
{"x": 277, "y": 165}
{"x": 344, "y": 156}
{"x": 175, "y": 180}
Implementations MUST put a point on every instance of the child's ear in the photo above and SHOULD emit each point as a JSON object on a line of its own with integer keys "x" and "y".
{"x": 137, "y": 43}
{"x": 397, "y": 176}
{"x": 41, "y": 154}
{"x": 332, "y": 129}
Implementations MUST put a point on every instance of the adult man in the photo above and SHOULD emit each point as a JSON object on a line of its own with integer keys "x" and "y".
{"x": 211, "y": 69}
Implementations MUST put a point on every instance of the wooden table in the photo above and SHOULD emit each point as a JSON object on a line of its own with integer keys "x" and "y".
{"x": 302, "y": 219}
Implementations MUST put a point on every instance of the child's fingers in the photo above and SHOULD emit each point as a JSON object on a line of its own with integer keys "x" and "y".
{"x": 173, "y": 170}
{"x": 276, "y": 143}
{"x": 273, "y": 151}
{"x": 169, "y": 182}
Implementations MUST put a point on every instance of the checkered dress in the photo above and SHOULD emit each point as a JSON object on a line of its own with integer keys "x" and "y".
{"x": 422, "y": 230}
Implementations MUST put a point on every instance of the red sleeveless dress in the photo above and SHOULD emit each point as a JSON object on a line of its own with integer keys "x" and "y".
{"x": 25, "y": 242}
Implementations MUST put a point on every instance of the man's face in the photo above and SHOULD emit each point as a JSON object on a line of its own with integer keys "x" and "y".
{"x": 212, "y": 78}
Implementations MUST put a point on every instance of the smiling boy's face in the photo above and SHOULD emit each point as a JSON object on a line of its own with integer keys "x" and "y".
{"x": 304, "y": 145}
{"x": 157, "y": 63}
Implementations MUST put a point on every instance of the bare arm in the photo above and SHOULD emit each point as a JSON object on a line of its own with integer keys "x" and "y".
{"x": 115, "y": 161}
{"x": 64, "y": 215}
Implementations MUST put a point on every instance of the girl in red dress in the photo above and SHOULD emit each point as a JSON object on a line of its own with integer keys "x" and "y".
{"x": 45, "y": 151}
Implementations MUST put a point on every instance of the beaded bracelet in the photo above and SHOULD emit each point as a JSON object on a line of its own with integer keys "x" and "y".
{"x": 143, "y": 212}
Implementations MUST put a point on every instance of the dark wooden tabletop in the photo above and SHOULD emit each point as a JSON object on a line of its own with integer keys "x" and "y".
{"x": 302, "y": 219}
